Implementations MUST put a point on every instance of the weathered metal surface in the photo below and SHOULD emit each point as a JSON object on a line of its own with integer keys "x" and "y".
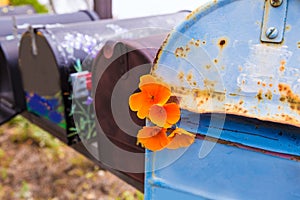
{"x": 16, "y": 10}
{"x": 273, "y": 26}
{"x": 216, "y": 63}
{"x": 19, "y": 24}
{"x": 240, "y": 96}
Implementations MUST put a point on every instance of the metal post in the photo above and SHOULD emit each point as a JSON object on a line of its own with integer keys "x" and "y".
{"x": 103, "y": 8}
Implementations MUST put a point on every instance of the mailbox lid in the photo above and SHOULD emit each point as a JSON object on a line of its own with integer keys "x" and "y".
{"x": 223, "y": 65}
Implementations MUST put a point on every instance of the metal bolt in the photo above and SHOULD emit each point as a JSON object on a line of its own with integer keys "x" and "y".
{"x": 276, "y": 3}
{"x": 272, "y": 32}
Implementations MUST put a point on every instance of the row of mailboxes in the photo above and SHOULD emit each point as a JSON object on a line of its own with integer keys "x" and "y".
{"x": 11, "y": 89}
{"x": 233, "y": 66}
{"x": 52, "y": 72}
{"x": 69, "y": 51}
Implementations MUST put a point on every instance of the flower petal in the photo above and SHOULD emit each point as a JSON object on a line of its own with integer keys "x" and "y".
{"x": 158, "y": 115}
{"x": 173, "y": 113}
{"x": 146, "y": 79}
{"x": 153, "y": 138}
{"x": 157, "y": 93}
{"x": 143, "y": 112}
{"x": 135, "y": 101}
{"x": 180, "y": 138}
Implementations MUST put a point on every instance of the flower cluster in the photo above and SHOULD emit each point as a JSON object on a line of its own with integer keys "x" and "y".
{"x": 154, "y": 102}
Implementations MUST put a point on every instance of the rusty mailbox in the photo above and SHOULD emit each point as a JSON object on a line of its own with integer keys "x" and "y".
{"x": 12, "y": 99}
{"x": 234, "y": 65}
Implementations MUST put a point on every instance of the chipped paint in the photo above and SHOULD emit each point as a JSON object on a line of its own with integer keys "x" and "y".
{"x": 227, "y": 69}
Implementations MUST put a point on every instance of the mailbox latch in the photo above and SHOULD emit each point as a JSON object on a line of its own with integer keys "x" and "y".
{"x": 273, "y": 26}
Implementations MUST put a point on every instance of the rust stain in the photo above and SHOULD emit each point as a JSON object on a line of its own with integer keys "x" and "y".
{"x": 189, "y": 77}
{"x": 216, "y": 61}
{"x": 159, "y": 52}
{"x": 183, "y": 51}
{"x": 259, "y": 95}
{"x": 231, "y": 108}
{"x": 282, "y": 66}
{"x": 222, "y": 42}
{"x": 204, "y": 42}
{"x": 195, "y": 42}
{"x": 179, "y": 52}
{"x": 269, "y": 95}
{"x": 288, "y": 27}
{"x": 202, "y": 97}
{"x": 240, "y": 68}
{"x": 209, "y": 83}
{"x": 180, "y": 76}
{"x": 208, "y": 66}
{"x": 288, "y": 96}
{"x": 298, "y": 44}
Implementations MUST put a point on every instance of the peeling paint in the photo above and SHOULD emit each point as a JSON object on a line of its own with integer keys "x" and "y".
{"x": 229, "y": 65}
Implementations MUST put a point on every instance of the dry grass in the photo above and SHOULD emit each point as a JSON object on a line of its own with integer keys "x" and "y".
{"x": 34, "y": 165}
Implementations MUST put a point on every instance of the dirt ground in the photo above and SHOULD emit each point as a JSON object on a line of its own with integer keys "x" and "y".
{"x": 34, "y": 165}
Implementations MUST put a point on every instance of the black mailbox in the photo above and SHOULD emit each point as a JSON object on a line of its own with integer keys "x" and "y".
{"x": 16, "y": 10}
{"x": 115, "y": 75}
{"x": 59, "y": 52}
{"x": 8, "y": 24}
{"x": 12, "y": 99}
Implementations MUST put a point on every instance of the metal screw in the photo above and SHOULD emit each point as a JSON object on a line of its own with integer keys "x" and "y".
{"x": 272, "y": 32}
{"x": 276, "y": 3}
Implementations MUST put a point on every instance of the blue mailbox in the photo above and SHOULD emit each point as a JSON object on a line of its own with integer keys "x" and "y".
{"x": 234, "y": 65}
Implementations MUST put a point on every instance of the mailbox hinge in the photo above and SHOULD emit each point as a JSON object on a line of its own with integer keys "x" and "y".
{"x": 273, "y": 26}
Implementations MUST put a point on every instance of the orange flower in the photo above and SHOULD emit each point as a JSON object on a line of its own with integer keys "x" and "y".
{"x": 164, "y": 116}
{"x": 180, "y": 138}
{"x": 152, "y": 92}
{"x": 153, "y": 138}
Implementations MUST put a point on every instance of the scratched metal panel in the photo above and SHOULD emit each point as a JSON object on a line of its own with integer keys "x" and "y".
{"x": 222, "y": 66}
{"x": 226, "y": 172}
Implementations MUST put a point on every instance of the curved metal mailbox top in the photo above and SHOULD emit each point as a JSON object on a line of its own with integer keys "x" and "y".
{"x": 222, "y": 62}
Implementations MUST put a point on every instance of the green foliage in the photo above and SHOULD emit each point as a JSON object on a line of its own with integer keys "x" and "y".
{"x": 127, "y": 195}
{"x": 36, "y": 5}
{"x": 25, "y": 131}
{"x": 25, "y": 190}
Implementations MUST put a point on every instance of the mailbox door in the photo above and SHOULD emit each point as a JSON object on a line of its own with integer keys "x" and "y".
{"x": 234, "y": 66}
